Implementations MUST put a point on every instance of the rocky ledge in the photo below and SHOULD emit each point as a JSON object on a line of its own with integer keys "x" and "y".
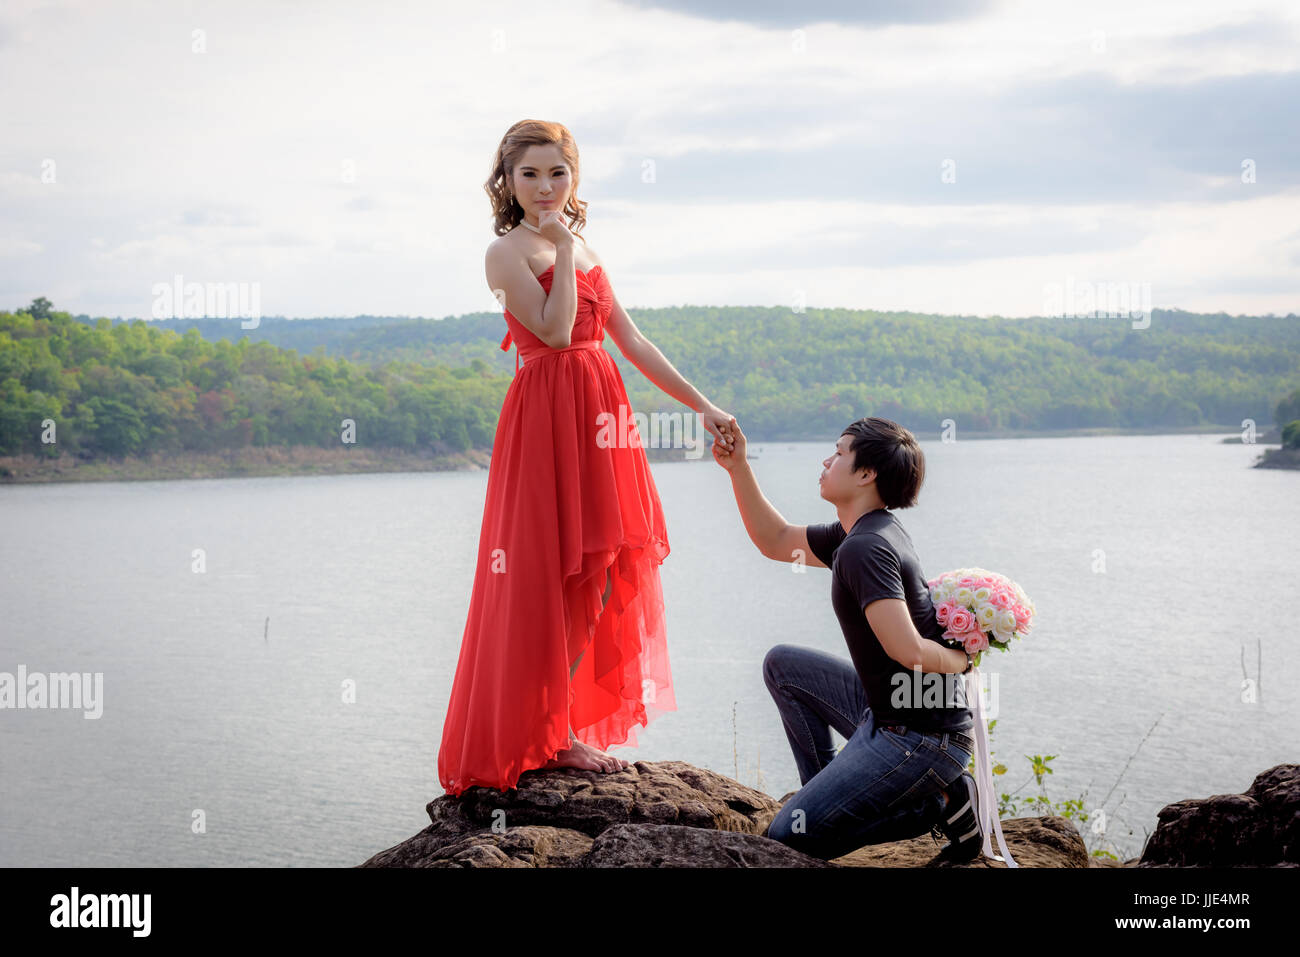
{"x": 672, "y": 814}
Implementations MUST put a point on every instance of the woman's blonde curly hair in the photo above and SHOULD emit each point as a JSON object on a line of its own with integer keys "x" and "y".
{"x": 506, "y": 212}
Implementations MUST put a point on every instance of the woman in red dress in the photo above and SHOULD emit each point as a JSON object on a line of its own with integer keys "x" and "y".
{"x": 564, "y": 650}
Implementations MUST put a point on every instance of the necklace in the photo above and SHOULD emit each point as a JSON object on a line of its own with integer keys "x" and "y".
{"x": 524, "y": 222}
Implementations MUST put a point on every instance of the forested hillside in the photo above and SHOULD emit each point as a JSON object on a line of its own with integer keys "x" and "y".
{"x": 118, "y": 388}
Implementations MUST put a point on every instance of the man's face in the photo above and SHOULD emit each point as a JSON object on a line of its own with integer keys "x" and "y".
{"x": 838, "y": 480}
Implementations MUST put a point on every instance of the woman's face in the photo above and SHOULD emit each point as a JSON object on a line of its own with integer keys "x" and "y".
{"x": 541, "y": 180}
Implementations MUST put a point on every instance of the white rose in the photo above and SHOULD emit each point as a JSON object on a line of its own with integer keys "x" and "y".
{"x": 1004, "y": 624}
{"x": 985, "y": 615}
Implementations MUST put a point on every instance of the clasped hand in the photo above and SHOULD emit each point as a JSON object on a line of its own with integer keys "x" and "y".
{"x": 729, "y": 449}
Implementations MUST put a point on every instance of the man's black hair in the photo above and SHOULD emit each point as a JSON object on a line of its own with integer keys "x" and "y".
{"x": 895, "y": 455}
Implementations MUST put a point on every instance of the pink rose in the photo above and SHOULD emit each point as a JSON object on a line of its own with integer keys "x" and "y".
{"x": 974, "y": 642}
{"x": 960, "y": 620}
{"x": 943, "y": 611}
{"x": 1002, "y": 597}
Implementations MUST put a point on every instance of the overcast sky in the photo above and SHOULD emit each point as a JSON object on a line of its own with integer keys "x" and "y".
{"x": 797, "y": 156}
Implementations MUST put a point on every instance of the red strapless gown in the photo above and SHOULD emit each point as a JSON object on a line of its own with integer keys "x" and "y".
{"x": 564, "y": 503}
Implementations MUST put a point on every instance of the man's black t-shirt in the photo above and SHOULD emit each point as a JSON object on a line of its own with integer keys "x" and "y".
{"x": 876, "y": 560}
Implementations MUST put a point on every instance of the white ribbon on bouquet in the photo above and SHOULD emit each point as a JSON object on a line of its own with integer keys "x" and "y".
{"x": 988, "y": 802}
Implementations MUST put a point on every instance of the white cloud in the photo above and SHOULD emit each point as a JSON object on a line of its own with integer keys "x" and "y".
{"x": 336, "y": 152}
{"x": 12, "y": 248}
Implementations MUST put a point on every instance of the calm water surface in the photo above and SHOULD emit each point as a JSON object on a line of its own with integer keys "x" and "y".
{"x": 1156, "y": 564}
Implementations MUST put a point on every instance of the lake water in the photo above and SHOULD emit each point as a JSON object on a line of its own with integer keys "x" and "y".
{"x": 1156, "y": 563}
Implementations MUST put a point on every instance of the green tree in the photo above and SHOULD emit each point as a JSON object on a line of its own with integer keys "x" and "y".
{"x": 119, "y": 429}
{"x": 1288, "y": 409}
{"x": 40, "y": 308}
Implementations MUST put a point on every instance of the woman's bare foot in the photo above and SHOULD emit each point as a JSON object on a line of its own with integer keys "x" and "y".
{"x": 580, "y": 755}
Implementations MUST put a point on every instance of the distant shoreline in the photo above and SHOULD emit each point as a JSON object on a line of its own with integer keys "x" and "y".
{"x": 243, "y": 463}
{"x": 1279, "y": 459}
{"x": 306, "y": 460}
{"x": 963, "y": 434}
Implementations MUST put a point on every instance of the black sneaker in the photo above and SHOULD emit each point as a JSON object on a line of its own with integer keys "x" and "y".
{"x": 960, "y": 822}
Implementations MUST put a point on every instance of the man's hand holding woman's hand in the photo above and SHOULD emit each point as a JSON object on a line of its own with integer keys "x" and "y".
{"x": 730, "y": 457}
{"x": 718, "y": 424}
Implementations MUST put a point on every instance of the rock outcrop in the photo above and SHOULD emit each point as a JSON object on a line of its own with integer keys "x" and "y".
{"x": 1260, "y": 828}
{"x": 672, "y": 814}
{"x": 661, "y": 814}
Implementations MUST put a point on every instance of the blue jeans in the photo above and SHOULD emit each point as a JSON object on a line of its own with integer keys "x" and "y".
{"x": 884, "y": 785}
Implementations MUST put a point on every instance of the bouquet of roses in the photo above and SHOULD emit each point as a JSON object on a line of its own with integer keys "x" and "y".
{"x": 980, "y": 609}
